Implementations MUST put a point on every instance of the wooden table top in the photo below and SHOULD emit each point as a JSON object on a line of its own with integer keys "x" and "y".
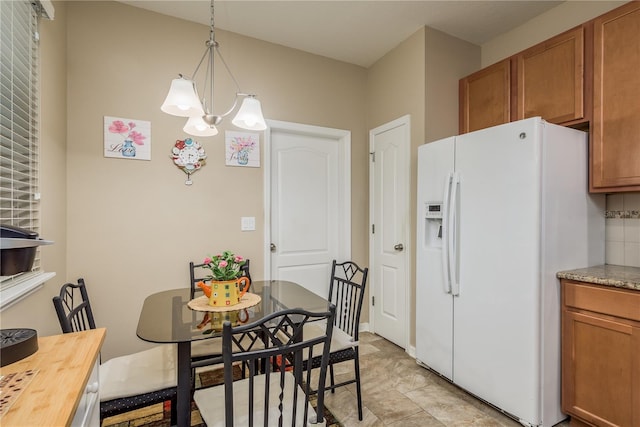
{"x": 63, "y": 364}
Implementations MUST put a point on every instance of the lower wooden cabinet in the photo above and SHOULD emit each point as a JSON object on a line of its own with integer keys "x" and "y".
{"x": 600, "y": 355}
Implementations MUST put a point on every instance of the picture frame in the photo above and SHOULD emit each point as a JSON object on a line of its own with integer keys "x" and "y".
{"x": 242, "y": 149}
{"x": 128, "y": 139}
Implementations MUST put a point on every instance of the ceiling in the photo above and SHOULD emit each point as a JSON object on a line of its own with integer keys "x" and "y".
{"x": 358, "y": 32}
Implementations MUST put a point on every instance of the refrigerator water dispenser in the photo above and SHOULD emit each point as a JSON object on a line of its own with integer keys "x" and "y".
{"x": 433, "y": 224}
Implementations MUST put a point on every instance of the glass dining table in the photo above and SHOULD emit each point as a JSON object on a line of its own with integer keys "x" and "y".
{"x": 166, "y": 318}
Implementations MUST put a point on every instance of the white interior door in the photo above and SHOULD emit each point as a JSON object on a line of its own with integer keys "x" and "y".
{"x": 309, "y": 203}
{"x": 390, "y": 241}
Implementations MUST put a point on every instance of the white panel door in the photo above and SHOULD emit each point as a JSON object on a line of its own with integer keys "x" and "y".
{"x": 496, "y": 314}
{"x": 390, "y": 221}
{"x": 309, "y": 219}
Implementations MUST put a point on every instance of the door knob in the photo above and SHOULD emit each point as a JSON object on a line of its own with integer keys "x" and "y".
{"x": 399, "y": 247}
{"x": 272, "y": 247}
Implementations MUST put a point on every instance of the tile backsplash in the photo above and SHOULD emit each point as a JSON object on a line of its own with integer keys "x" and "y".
{"x": 622, "y": 229}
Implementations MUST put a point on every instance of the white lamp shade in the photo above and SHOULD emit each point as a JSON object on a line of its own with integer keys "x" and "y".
{"x": 182, "y": 99}
{"x": 250, "y": 115}
{"x": 196, "y": 126}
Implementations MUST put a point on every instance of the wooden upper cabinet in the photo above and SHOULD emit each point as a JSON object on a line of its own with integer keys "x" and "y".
{"x": 485, "y": 97}
{"x": 550, "y": 79}
{"x": 615, "y": 129}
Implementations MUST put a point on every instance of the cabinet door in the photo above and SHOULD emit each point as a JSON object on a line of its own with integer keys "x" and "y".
{"x": 550, "y": 79}
{"x": 615, "y": 131}
{"x": 485, "y": 97}
{"x": 600, "y": 369}
{"x": 88, "y": 410}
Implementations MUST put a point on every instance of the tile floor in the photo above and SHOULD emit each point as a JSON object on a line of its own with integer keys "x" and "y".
{"x": 398, "y": 392}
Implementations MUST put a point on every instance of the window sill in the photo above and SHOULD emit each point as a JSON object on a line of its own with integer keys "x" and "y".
{"x": 16, "y": 293}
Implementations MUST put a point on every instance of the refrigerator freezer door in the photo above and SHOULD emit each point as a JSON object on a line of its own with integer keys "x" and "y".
{"x": 434, "y": 307}
{"x": 496, "y": 315}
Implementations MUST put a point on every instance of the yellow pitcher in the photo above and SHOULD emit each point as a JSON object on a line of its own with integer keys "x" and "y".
{"x": 227, "y": 292}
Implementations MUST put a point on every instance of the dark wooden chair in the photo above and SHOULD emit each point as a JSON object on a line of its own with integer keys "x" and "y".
{"x": 346, "y": 291}
{"x": 128, "y": 382}
{"x": 270, "y": 396}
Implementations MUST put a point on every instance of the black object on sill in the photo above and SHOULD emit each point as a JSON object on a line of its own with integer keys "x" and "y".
{"x": 18, "y": 249}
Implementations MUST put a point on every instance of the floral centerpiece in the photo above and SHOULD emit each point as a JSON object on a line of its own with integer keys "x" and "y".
{"x": 225, "y": 266}
{"x": 226, "y": 277}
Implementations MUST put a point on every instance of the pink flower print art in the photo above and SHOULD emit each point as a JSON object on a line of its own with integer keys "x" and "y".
{"x": 127, "y": 138}
{"x": 242, "y": 149}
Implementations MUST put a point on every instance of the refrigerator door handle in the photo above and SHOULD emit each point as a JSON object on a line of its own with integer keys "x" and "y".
{"x": 452, "y": 236}
{"x": 445, "y": 233}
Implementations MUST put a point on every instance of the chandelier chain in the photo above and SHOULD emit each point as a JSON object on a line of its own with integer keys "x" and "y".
{"x": 212, "y": 22}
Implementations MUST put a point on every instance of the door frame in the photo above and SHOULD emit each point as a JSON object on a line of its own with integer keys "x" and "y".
{"x": 344, "y": 138}
{"x": 401, "y": 121}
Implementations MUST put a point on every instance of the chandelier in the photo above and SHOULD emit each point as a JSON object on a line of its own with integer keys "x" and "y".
{"x": 183, "y": 99}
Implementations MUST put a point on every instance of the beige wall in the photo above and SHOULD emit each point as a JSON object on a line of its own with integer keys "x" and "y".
{"x": 37, "y": 311}
{"x": 420, "y": 78}
{"x": 133, "y": 226}
{"x": 448, "y": 59}
{"x": 396, "y": 87}
{"x": 555, "y": 21}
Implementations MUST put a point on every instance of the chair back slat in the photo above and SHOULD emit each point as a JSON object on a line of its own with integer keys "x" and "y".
{"x": 346, "y": 291}
{"x": 278, "y": 382}
{"x": 73, "y": 308}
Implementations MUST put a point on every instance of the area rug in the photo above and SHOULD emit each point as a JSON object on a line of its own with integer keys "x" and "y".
{"x": 159, "y": 415}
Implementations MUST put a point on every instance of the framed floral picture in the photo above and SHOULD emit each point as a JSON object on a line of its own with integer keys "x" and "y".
{"x": 242, "y": 149}
{"x": 127, "y": 138}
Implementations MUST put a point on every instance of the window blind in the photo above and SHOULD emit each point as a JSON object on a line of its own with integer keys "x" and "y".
{"x": 19, "y": 121}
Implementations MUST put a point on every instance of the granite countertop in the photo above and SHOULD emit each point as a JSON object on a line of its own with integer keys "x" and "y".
{"x": 608, "y": 275}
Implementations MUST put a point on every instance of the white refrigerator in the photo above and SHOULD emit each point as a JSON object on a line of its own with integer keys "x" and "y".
{"x": 500, "y": 211}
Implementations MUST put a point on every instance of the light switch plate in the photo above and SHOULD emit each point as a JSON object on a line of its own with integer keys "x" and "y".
{"x": 248, "y": 223}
